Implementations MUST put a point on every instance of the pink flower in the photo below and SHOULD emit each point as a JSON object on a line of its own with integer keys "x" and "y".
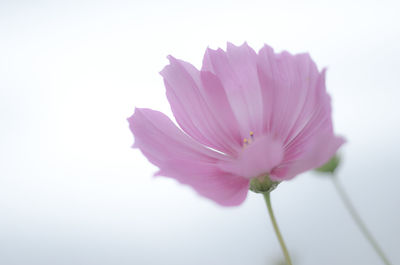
{"x": 243, "y": 115}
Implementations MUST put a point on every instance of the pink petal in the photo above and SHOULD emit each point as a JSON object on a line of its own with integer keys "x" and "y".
{"x": 208, "y": 180}
{"x": 291, "y": 93}
{"x": 317, "y": 154}
{"x": 180, "y": 157}
{"x": 256, "y": 159}
{"x": 218, "y": 103}
{"x": 237, "y": 70}
{"x": 297, "y": 110}
{"x": 200, "y": 106}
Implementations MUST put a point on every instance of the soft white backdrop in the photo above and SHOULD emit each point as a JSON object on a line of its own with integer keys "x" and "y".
{"x": 72, "y": 191}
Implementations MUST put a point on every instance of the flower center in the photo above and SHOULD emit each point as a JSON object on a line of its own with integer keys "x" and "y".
{"x": 250, "y": 140}
{"x": 258, "y": 156}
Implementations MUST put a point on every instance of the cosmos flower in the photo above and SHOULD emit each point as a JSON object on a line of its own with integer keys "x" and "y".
{"x": 242, "y": 116}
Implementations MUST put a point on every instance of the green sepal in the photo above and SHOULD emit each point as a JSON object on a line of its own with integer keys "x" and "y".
{"x": 262, "y": 184}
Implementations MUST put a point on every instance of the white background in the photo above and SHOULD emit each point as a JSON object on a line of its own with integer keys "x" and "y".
{"x": 72, "y": 191}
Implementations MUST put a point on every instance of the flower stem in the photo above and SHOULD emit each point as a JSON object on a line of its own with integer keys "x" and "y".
{"x": 357, "y": 219}
{"x": 276, "y": 228}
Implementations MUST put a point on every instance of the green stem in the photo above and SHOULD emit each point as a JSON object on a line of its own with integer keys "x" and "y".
{"x": 276, "y": 228}
{"x": 357, "y": 219}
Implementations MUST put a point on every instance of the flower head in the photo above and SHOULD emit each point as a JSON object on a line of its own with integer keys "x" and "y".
{"x": 242, "y": 116}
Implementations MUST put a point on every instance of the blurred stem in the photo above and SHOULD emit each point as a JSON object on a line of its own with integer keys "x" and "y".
{"x": 357, "y": 219}
{"x": 276, "y": 228}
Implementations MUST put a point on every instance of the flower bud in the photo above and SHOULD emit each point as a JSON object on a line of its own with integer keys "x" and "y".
{"x": 330, "y": 166}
